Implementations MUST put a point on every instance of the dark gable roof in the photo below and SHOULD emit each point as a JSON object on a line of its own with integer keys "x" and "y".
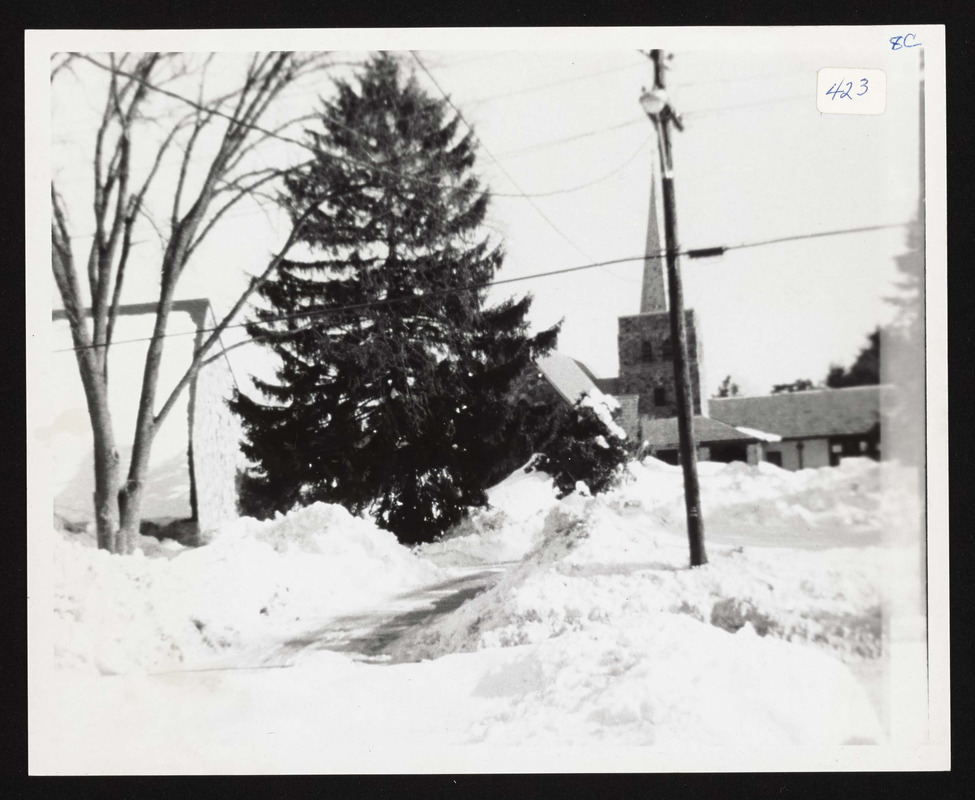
{"x": 662, "y": 433}
{"x": 197, "y": 309}
{"x": 821, "y": 412}
{"x": 608, "y": 385}
{"x": 605, "y": 385}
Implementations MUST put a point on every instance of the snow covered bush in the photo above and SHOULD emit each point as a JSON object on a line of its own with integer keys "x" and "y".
{"x": 587, "y": 448}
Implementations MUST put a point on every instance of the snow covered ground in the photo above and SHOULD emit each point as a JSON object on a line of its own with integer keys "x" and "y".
{"x": 591, "y": 633}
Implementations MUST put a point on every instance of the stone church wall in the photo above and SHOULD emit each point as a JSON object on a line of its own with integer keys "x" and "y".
{"x": 629, "y": 419}
{"x": 645, "y": 373}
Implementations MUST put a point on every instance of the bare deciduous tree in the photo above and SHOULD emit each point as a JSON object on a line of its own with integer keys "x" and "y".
{"x": 207, "y": 180}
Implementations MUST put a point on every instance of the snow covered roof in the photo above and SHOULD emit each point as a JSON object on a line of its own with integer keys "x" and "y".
{"x": 821, "y": 412}
{"x": 567, "y": 377}
{"x": 765, "y": 437}
{"x": 663, "y": 432}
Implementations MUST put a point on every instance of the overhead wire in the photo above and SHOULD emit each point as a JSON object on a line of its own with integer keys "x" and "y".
{"x": 345, "y": 159}
{"x": 739, "y": 106}
{"x": 594, "y": 264}
{"x": 495, "y": 158}
{"x": 693, "y": 253}
{"x": 554, "y": 142}
{"x": 605, "y": 177}
{"x": 504, "y": 171}
{"x": 551, "y": 84}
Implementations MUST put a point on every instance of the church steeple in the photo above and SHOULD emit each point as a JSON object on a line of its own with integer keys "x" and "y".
{"x": 653, "y": 297}
{"x": 646, "y": 356}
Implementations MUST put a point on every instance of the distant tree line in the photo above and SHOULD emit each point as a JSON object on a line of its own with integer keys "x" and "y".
{"x": 865, "y": 371}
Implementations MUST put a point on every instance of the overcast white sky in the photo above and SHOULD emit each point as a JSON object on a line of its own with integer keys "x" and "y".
{"x": 756, "y": 161}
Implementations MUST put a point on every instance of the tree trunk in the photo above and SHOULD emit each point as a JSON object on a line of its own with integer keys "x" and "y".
{"x": 106, "y": 477}
{"x": 106, "y": 454}
{"x": 130, "y": 510}
{"x": 130, "y": 495}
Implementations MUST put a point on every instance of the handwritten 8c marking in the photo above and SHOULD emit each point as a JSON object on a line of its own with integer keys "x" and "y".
{"x": 900, "y": 42}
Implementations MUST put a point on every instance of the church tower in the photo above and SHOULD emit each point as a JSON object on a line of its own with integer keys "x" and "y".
{"x": 645, "y": 347}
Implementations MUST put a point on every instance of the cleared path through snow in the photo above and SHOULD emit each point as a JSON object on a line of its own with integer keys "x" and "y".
{"x": 367, "y": 636}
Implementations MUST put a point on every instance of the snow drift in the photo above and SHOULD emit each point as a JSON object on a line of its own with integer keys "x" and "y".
{"x": 255, "y": 584}
{"x": 621, "y": 558}
{"x": 598, "y": 631}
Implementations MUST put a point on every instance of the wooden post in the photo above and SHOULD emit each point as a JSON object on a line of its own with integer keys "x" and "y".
{"x": 678, "y": 332}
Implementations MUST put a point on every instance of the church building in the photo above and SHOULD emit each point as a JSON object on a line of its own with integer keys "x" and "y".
{"x": 794, "y": 431}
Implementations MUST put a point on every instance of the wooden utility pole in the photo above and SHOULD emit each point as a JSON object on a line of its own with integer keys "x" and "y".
{"x": 678, "y": 331}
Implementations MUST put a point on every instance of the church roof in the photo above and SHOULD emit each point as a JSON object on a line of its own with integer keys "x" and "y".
{"x": 820, "y": 412}
{"x": 567, "y": 376}
{"x": 663, "y": 432}
{"x": 609, "y": 385}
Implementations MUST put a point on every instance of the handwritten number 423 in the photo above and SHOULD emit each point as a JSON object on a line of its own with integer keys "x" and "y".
{"x": 838, "y": 90}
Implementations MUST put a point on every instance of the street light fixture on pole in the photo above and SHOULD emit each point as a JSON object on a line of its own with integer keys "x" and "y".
{"x": 657, "y": 107}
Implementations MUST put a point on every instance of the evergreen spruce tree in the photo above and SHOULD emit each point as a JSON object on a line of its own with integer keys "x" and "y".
{"x": 392, "y": 390}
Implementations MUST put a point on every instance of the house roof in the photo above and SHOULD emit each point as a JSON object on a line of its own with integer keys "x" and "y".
{"x": 588, "y": 372}
{"x": 196, "y": 308}
{"x": 609, "y": 385}
{"x": 820, "y": 412}
{"x": 663, "y": 432}
{"x": 567, "y": 376}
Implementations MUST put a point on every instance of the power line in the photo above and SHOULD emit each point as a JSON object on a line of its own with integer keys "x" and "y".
{"x": 762, "y": 76}
{"x": 694, "y": 253}
{"x": 514, "y": 183}
{"x": 472, "y": 59}
{"x": 737, "y": 106}
{"x": 553, "y": 142}
{"x": 290, "y": 140}
{"x": 551, "y": 84}
{"x": 520, "y": 151}
{"x": 623, "y": 68}
{"x": 415, "y": 178}
{"x": 607, "y": 176}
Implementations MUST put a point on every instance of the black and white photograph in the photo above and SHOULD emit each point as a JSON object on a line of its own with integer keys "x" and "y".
{"x": 478, "y": 401}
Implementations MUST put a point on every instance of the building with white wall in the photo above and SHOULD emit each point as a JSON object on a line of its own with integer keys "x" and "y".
{"x": 816, "y": 428}
{"x": 195, "y": 454}
{"x": 793, "y": 430}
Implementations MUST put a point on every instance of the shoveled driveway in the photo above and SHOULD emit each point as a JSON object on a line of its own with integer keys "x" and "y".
{"x": 368, "y": 636}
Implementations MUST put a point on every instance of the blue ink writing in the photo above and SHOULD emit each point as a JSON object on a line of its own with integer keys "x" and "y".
{"x": 900, "y": 42}
{"x": 843, "y": 89}
{"x": 838, "y": 90}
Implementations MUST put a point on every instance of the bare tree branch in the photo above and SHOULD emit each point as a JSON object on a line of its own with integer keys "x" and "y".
{"x": 274, "y": 133}
{"x": 65, "y": 275}
{"x": 119, "y": 199}
{"x": 254, "y": 285}
{"x": 243, "y": 191}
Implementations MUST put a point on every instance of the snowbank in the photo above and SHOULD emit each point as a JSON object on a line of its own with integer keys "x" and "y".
{"x": 255, "y": 584}
{"x": 599, "y": 565}
{"x": 672, "y": 682}
{"x": 621, "y": 638}
{"x": 598, "y": 632}
{"x": 742, "y": 505}
{"x": 506, "y": 530}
